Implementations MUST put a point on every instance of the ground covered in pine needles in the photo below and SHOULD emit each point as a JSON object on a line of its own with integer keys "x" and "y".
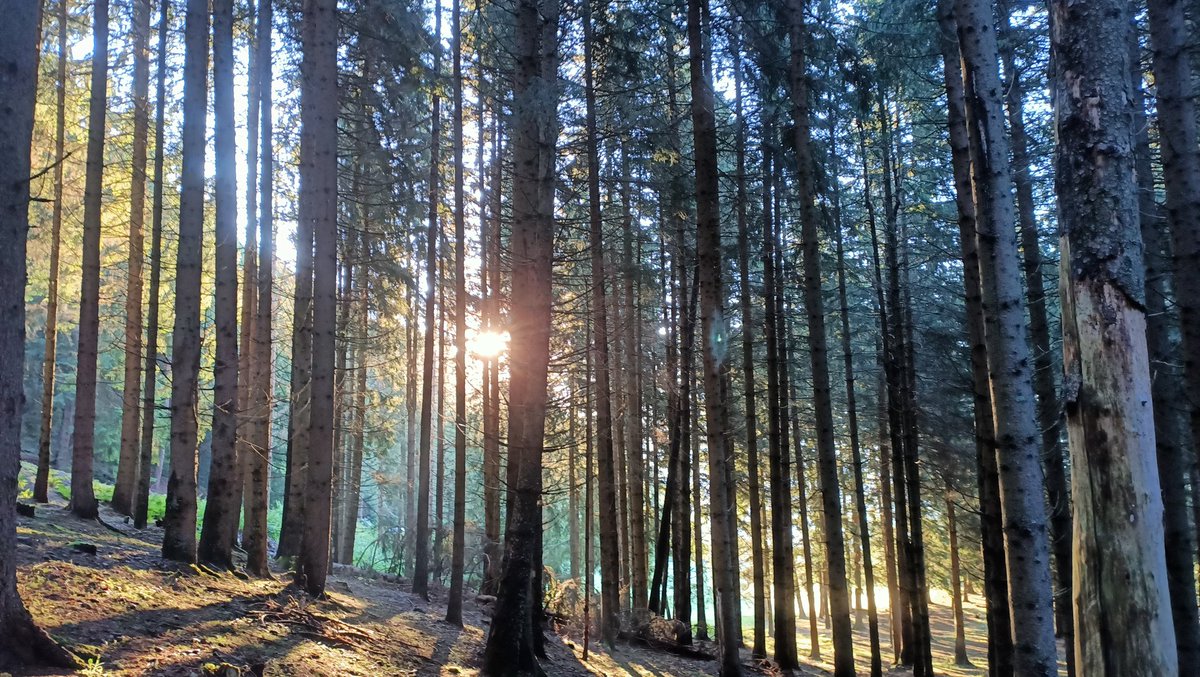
{"x": 102, "y": 589}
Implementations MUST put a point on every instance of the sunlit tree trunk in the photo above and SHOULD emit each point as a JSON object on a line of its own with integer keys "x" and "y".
{"x": 150, "y": 370}
{"x": 1048, "y": 409}
{"x": 1014, "y": 406}
{"x": 83, "y": 499}
{"x": 128, "y": 462}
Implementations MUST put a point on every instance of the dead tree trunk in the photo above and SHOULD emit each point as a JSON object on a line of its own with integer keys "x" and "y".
{"x": 1121, "y": 606}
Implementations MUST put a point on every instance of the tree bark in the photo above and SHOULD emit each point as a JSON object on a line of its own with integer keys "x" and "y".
{"x": 128, "y": 462}
{"x": 83, "y": 499}
{"x": 221, "y": 511}
{"x": 1014, "y": 406}
{"x": 715, "y": 336}
{"x": 420, "y": 581}
{"x": 1121, "y": 606}
{"x": 458, "y": 546}
{"x": 818, "y": 354}
{"x": 1000, "y": 648}
{"x": 1177, "y": 124}
{"x": 257, "y": 488}
{"x": 609, "y": 546}
{"x": 150, "y": 371}
{"x": 22, "y": 643}
{"x": 956, "y": 602}
{"x": 783, "y": 578}
{"x": 1053, "y": 458}
{"x": 758, "y": 572}
{"x": 179, "y": 522}
{"x": 50, "y": 358}
{"x": 510, "y": 646}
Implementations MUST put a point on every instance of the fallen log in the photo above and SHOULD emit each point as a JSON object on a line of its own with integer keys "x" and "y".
{"x": 669, "y": 647}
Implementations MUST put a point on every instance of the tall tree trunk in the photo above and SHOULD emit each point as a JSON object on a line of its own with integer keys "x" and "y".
{"x": 22, "y": 643}
{"x": 843, "y": 647}
{"x": 458, "y": 546}
{"x": 860, "y": 501}
{"x": 257, "y": 466}
{"x": 221, "y": 511}
{"x": 420, "y": 581}
{"x": 150, "y": 371}
{"x": 956, "y": 602}
{"x": 609, "y": 547}
{"x": 715, "y": 336}
{"x": 83, "y": 499}
{"x": 783, "y": 578}
{"x": 698, "y": 537}
{"x": 1014, "y": 406}
{"x": 1174, "y": 85}
{"x": 1000, "y": 643}
{"x": 491, "y": 402}
{"x": 1053, "y": 457}
{"x": 510, "y": 643}
{"x": 573, "y": 485}
{"x": 179, "y": 522}
{"x": 128, "y": 462}
{"x": 300, "y": 386}
{"x": 248, "y": 313}
{"x": 318, "y": 124}
{"x": 633, "y": 400}
{"x": 1170, "y": 431}
{"x": 50, "y": 358}
{"x": 1121, "y": 605}
{"x": 754, "y": 492}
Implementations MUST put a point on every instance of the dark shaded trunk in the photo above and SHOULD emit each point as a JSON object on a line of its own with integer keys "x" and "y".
{"x": 607, "y": 483}
{"x": 420, "y": 576}
{"x": 1174, "y": 86}
{"x": 22, "y": 644}
{"x": 458, "y": 540}
{"x": 257, "y": 466}
{"x": 221, "y": 511}
{"x": 818, "y": 353}
{"x": 179, "y": 522}
{"x": 758, "y": 572}
{"x": 714, "y": 337}
{"x": 511, "y": 646}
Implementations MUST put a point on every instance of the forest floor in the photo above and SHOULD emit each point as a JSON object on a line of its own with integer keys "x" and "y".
{"x": 105, "y": 592}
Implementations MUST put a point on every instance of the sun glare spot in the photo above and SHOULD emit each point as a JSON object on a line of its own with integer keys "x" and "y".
{"x": 488, "y": 344}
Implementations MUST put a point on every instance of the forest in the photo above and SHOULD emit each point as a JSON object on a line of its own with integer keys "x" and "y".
{"x": 600, "y": 337}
